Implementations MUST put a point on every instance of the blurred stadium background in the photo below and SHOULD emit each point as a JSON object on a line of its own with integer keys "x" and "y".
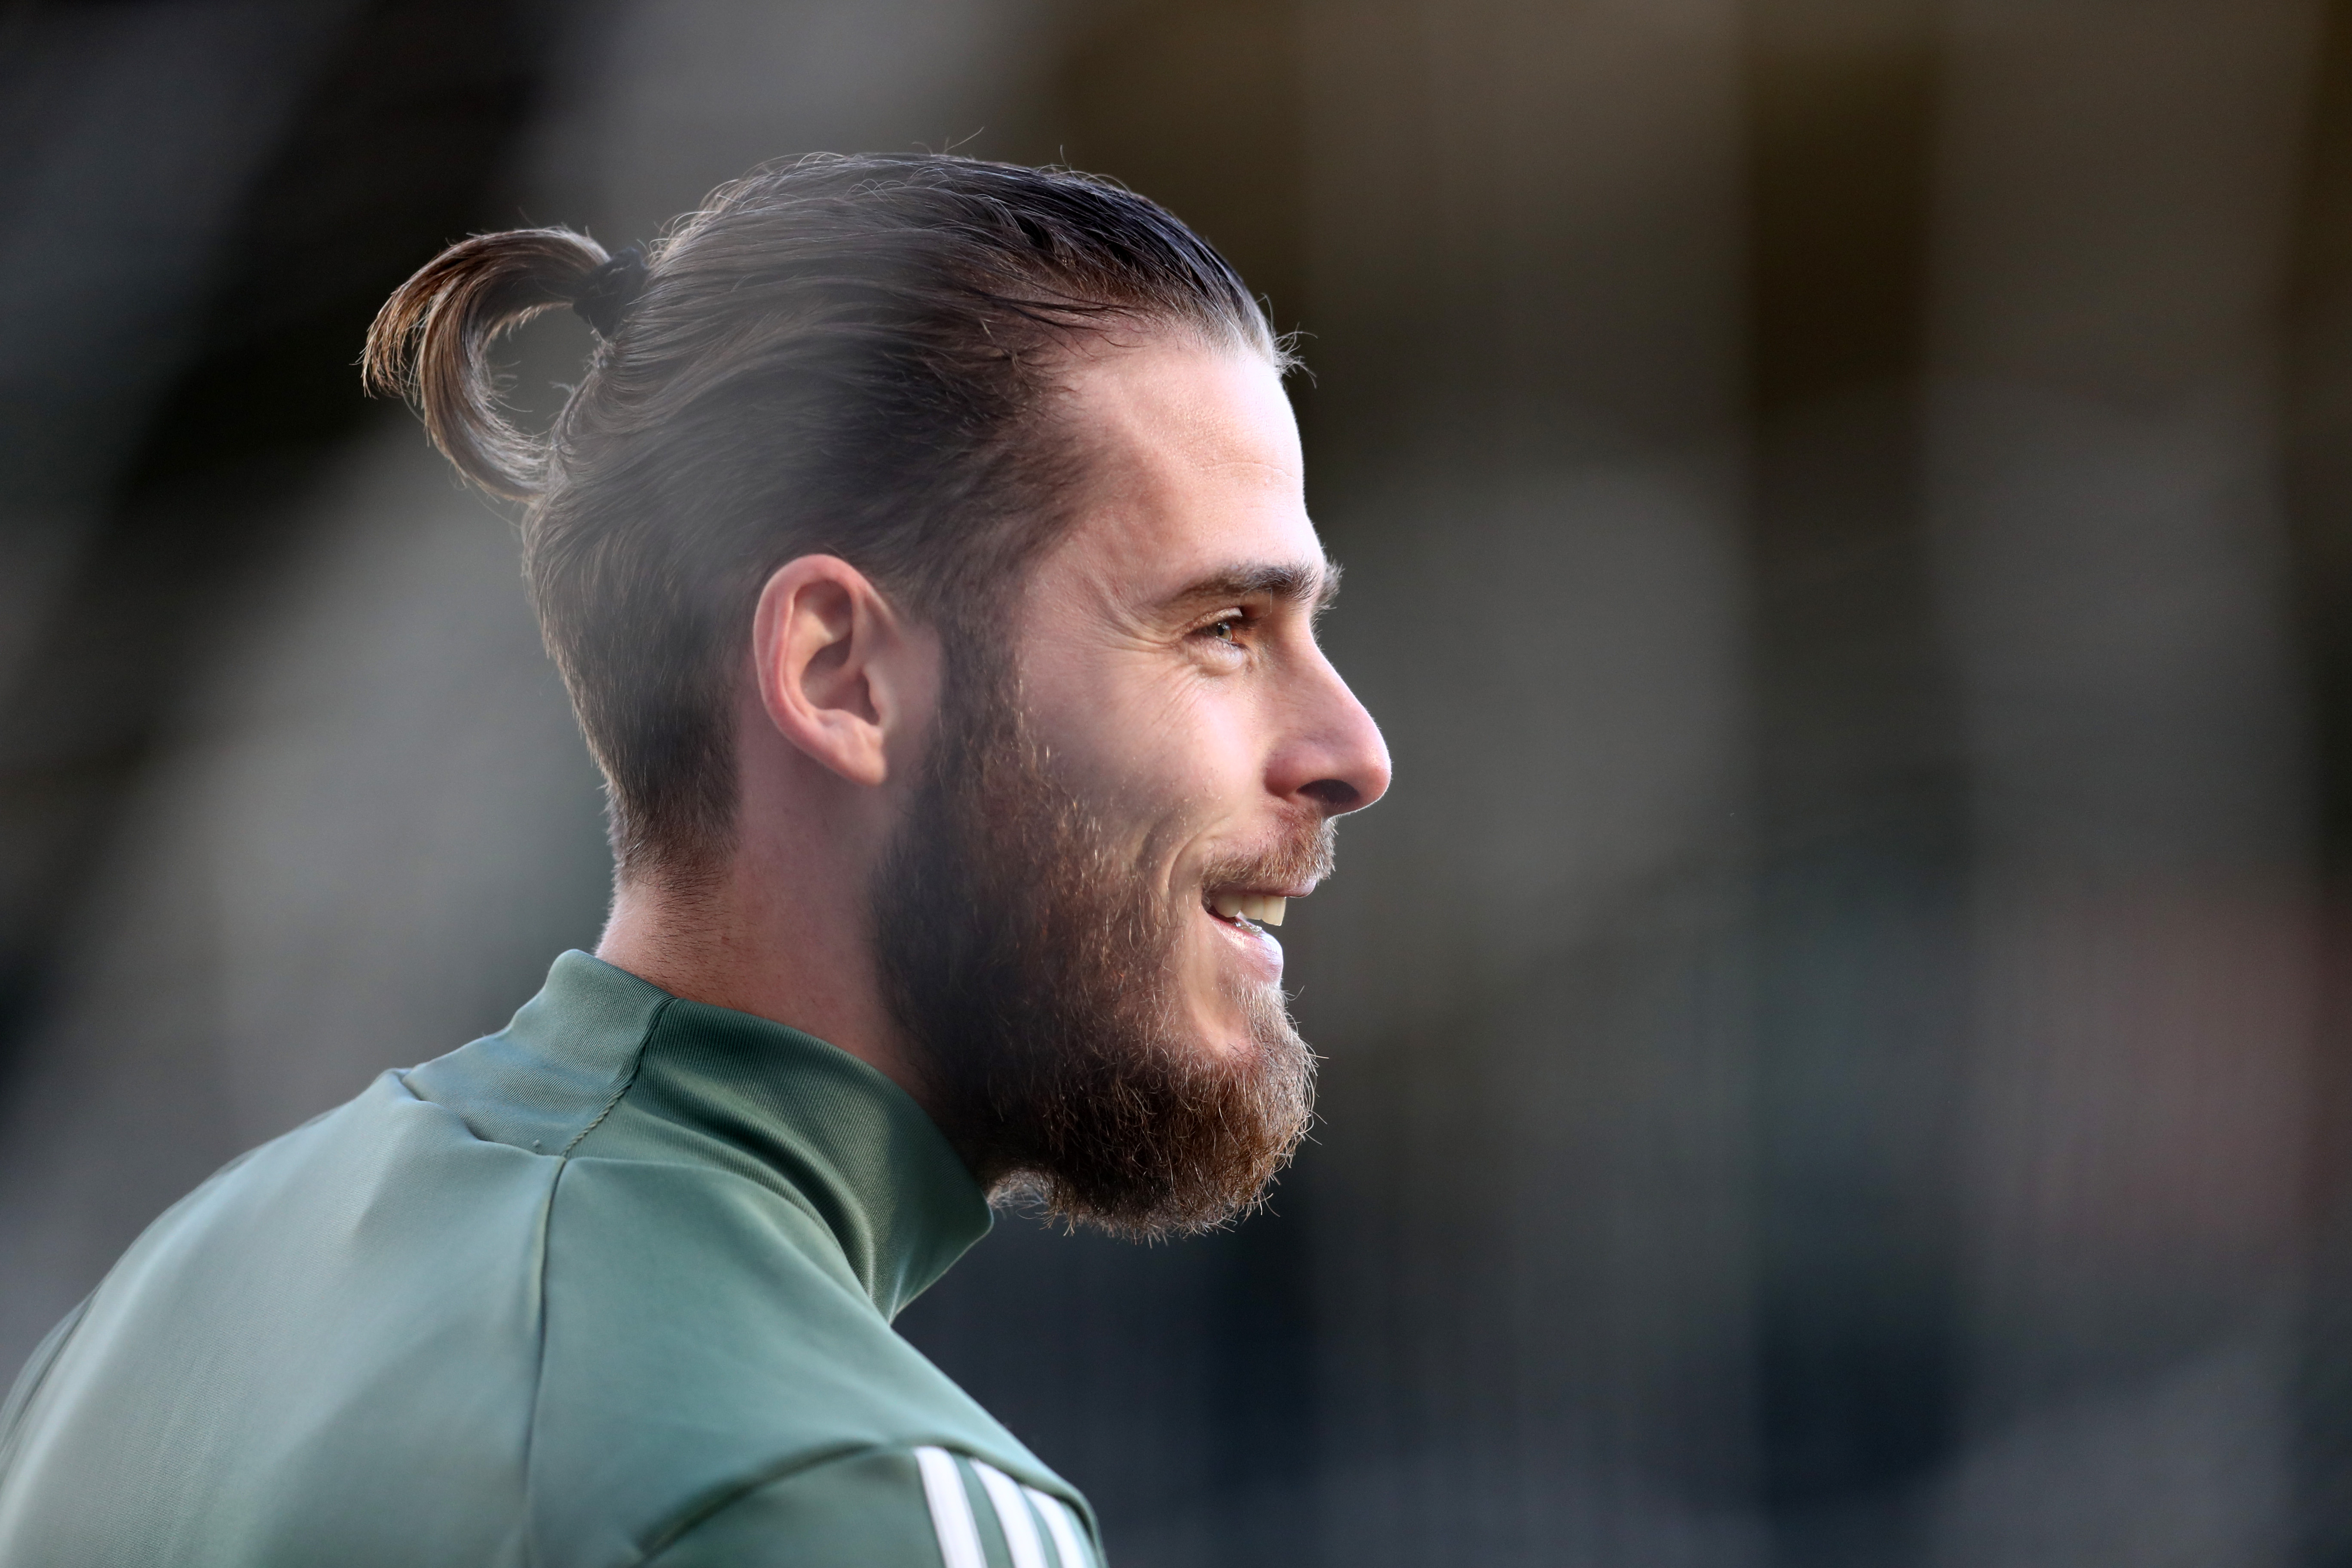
{"x": 1838, "y": 1044}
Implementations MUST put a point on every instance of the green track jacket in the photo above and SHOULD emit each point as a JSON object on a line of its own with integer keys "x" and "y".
{"x": 612, "y": 1286}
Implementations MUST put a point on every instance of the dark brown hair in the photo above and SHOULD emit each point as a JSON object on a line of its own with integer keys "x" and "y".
{"x": 849, "y": 355}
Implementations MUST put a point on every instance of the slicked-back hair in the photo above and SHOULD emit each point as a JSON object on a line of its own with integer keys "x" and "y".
{"x": 855, "y": 356}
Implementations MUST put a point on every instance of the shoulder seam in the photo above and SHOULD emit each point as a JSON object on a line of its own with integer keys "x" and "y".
{"x": 628, "y": 1080}
{"x": 546, "y": 1225}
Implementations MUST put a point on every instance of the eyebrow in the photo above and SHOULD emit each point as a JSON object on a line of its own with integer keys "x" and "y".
{"x": 1313, "y": 585}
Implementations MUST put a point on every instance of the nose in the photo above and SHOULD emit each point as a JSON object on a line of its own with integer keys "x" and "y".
{"x": 1334, "y": 759}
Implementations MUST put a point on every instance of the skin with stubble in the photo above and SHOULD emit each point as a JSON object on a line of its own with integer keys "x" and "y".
{"x": 1015, "y": 870}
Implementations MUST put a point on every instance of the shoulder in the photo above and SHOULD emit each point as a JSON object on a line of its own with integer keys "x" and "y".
{"x": 704, "y": 1340}
{"x": 876, "y": 1508}
{"x": 347, "y": 1315}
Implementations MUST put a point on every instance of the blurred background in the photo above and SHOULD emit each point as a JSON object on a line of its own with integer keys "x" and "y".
{"x": 1840, "y": 1043}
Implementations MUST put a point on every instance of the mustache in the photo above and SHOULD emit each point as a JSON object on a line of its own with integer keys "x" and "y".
{"x": 1302, "y": 852}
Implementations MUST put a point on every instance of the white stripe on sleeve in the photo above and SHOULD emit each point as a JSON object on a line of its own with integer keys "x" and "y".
{"x": 951, "y": 1518}
{"x": 1069, "y": 1544}
{"x": 1012, "y": 1515}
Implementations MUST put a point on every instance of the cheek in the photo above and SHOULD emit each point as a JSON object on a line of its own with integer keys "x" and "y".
{"x": 1199, "y": 760}
{"x": 1165, "y": 746}
{"x": 1162, "y": 751}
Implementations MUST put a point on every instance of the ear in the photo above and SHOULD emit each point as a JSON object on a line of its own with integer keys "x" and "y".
{"x": 841, "y": 674}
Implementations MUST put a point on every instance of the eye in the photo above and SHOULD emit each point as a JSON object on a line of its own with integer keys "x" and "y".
{"x": 1226, "y": 629}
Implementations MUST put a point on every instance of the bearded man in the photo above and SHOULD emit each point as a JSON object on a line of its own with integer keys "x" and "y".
{"x": 925, "y": 553}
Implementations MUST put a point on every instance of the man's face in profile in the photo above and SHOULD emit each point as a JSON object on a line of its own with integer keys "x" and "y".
{"x": 1132, "y": 777}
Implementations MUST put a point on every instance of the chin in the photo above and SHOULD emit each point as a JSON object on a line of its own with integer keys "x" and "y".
{"x": 1227, "y": 1039}
{"x": 1222, "y": 1023}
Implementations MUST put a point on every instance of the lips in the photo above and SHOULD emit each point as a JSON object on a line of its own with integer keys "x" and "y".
{"x": 1248, "y": 893}
{"x": 1247, "y": 906}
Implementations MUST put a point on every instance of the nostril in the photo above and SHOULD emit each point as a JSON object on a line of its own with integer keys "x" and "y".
{"x": 1337, "y": 793}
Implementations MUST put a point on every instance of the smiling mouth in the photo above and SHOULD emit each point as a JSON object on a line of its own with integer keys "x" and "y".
{"x": 1246, "y": 910}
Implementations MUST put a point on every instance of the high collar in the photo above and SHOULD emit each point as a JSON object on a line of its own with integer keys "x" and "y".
{"x": 660, "y": 1077}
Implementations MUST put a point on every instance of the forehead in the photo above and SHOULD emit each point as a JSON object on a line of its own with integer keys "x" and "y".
{"x": 1193, "y": 467}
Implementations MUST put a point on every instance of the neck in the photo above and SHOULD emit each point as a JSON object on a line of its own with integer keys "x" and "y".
{"x": 807, "y": 962}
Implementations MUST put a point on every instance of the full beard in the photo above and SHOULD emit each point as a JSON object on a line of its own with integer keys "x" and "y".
{"x": 1035, "y": 971}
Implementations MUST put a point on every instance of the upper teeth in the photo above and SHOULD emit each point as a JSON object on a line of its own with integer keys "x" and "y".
{"x": 1264, "y": 908}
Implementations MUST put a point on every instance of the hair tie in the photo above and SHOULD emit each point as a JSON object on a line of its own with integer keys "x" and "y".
{"x": 611, "y": 289}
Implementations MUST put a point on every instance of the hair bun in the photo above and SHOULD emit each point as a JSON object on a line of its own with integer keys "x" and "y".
{"x": 431, "y": 341}
{"x": 611, "y": 289}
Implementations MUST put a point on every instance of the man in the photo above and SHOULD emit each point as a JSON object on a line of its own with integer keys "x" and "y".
{"x": 924, "y": 555}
